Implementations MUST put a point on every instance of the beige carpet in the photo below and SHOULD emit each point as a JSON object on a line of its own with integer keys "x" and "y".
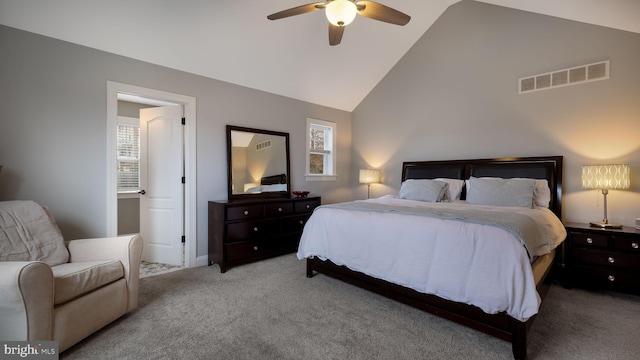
{"x": 270, "y": 310}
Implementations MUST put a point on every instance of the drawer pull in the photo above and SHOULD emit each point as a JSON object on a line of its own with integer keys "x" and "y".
{"x": 589, "y": 240}
{"x": 246, "y": 212}
{"x": 255, "y": 229}
{"x": 611, "y": 260}
{"x": 279, "y": 209}
{"x": 308, "y": 206}
{"x": 611, "y": 278}
{"x": 634, "y": 245}
{"x": 301, "y": 222}
{"x": 255, "y": 248}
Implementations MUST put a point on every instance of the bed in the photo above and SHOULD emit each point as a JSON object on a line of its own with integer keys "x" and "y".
{"x": 336, "y": 234}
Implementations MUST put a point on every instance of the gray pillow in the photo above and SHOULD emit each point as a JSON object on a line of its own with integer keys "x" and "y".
{"x": 423, "y": 190}
{"x": 501, "y": 192}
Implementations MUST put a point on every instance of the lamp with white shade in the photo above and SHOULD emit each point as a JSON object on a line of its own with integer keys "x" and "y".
{"x": 605, "y": 178}
{"x": 369, "y": 176}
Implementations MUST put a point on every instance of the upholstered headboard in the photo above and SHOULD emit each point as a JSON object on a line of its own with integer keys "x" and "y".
{"x": 545, "y": 167}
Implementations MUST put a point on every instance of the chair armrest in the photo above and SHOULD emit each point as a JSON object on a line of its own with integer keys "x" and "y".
{"x": 127, "y": 249}
{"x": 26, "y": 301}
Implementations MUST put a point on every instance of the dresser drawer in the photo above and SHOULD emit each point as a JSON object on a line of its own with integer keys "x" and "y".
{"x": 591, "y": 240}
{"x": 245, "y": 250}
{"x": 306, "y": 206}
{"x": 606, "y": 258}
{"x": 244, "y": 212}
{"x": 278, "y": 209}
{"x": 250, "y": 249}
{"x": 244, "y": 230}
{"x": 627, "y": 244}
{"x": 292, "y": 224}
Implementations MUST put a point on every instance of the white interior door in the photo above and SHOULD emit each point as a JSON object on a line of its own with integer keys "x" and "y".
{"x": 161, "y": 172}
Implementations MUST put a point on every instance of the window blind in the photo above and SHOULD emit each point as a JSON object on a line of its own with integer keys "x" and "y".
{"x": 128, "y": 157}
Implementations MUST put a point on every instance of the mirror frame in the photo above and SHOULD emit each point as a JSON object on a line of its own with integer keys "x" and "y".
{"x": 263, "y": 195}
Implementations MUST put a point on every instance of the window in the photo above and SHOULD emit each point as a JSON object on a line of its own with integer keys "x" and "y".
{"x": 321, "y": 150}
{"x": 128, "y": 156}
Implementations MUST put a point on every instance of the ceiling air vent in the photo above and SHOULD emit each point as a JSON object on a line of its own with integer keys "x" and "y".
{"x": 263, "y": 145}
{"x": 565, "y": 77}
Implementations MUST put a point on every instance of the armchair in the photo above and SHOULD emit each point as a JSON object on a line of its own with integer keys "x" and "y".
{"x": 52, "y": 290}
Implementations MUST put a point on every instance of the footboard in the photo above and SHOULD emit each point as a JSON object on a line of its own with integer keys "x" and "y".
{"x": 499, "y": 325}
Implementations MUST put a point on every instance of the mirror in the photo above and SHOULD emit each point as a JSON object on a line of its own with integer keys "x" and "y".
{"x": 258, "y": 163}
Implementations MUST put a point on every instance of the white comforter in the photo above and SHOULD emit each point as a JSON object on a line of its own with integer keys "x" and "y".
{"x": 475, "y": 264}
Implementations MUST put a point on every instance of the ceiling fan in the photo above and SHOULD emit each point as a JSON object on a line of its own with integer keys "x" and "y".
{"x": 341, "y": 13}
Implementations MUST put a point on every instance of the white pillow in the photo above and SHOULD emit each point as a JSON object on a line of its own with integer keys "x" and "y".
{"x": 423, "y": 190}
{"x": 454, "y": 188}
{"x": 501, "y": 192}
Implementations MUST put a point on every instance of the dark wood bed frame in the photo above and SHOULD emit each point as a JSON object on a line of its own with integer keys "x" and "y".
{"x": 499, "y": 325}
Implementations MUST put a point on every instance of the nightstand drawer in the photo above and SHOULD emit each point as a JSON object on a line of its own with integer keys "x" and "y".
{"x": 626, "y": 244}
{"x": 597, "y": 277}
{"x": 592, "y": 240}
{"x": 606, "y": 258}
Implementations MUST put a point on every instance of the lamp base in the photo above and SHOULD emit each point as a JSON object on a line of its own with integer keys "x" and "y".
{"x": 605, "y": 225}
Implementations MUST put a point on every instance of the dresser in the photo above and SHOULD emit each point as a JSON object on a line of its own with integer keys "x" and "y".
{"x": 604, "y": 258}
{"x": 244, "y": 231}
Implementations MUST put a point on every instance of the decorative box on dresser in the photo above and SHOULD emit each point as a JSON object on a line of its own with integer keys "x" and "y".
{"x": 244, "y": 231}
{"x": 604, "y": 258}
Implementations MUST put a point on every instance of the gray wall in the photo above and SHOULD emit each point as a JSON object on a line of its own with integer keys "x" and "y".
{"x": 53, "y": 120}
{"x": 129, "y": 205}
{"x": 454, "y": 96}
{"x": 128, "y": 215}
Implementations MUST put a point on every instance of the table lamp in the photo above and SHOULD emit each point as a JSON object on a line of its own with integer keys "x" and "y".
{"x": 369, "y": 176}
{"x": 605, "y": 177}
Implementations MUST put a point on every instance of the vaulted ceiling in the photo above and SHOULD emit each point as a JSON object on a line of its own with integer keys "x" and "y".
{"x": 232, "y": 40}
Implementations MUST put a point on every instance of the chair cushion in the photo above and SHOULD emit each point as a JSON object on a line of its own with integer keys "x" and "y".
{"x": 28, "y": 233}
{"x": 75, "y": 279}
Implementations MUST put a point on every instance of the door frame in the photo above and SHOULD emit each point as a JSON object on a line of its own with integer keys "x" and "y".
{"x": 190, "y": 199}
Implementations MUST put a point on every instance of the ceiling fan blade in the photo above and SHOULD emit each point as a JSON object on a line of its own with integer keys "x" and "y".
{"x": 373, "y": 10}
{"x": 335, "y": 34}
{"x": 298, "y": 10}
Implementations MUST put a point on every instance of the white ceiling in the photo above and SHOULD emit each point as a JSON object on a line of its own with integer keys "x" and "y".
{"x": 232, "y": 40}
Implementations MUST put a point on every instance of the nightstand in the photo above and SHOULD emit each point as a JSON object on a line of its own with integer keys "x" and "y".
{"x": 603, "y": 258}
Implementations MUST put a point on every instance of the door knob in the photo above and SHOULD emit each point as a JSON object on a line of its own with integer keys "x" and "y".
{"x": 142, "y": 192}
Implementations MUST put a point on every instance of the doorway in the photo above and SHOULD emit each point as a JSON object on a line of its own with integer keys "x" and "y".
{"x": 151, "y": 97}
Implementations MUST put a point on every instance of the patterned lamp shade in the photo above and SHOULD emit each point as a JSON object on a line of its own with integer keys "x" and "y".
{"x": 368, "y": 176}
{"x": 605, "y": 177}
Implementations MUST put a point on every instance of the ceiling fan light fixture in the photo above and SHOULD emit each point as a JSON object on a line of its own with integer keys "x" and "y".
{"x": 341, "y": 12}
